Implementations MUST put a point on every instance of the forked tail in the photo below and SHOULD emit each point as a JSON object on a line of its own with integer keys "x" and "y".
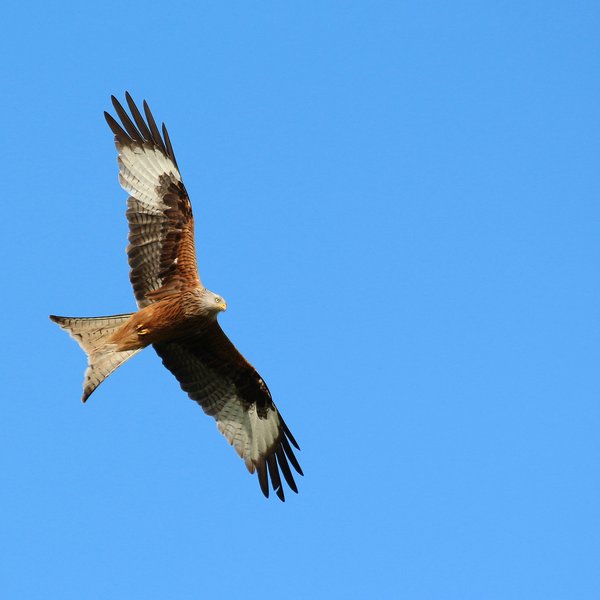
{"x": 92, "y": 333}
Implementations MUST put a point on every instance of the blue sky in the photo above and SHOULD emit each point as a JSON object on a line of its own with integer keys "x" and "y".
{"x": 399, "y": 202}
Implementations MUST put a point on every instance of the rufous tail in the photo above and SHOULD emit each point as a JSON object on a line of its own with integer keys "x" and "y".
{"x": 92, "y": 333}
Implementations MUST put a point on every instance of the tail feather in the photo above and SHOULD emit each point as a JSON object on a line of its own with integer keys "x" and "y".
{"x": 92, "y": 333}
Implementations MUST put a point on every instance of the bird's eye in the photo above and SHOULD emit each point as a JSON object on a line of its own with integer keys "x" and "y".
{"x": 217, "y": 300}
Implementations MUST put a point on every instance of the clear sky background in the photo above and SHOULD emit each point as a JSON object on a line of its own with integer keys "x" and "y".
{"x": 400, "y": 203}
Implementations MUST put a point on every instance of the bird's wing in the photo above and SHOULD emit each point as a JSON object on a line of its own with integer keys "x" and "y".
{"x": 161, "y": 249}
{"x": 214, "y": 374}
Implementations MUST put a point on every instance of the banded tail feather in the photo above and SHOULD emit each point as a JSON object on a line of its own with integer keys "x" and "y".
{"x": 92, "y": 333}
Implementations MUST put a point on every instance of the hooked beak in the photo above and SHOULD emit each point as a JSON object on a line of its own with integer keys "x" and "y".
{"x": 223, "y": 305}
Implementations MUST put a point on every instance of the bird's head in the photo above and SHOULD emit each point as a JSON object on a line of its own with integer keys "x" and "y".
{"x": 213, "y": 302}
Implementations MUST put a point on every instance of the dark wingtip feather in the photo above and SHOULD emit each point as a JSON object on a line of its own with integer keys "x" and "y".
{"x": 156, "y": 138}
{"x": 275, "y": 479}
{"x": 131, "y": 129}
{"x": 261, "y": 471}
{"x": 290, "y": 454}
{"x": 119, "y": 132}
{"x": 169, "y": 146}
{"x": 285, "y": 469}
{"x": 137, "y": 116}
{"x": 288, "y": 433}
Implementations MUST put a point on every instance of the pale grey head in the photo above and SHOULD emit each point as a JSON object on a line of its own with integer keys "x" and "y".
{"x": 203, "y": 303}
{"x": 212, "y": 303}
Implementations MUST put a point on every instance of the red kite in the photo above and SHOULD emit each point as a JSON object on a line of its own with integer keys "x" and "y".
{"x": 177, "y": 315}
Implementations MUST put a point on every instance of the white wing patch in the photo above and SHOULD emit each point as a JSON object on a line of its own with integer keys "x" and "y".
{"x": 250, "y": 435}
{"x": 140, "y": 170}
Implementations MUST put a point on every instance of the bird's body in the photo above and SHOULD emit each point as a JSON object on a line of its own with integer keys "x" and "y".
{"x": 177, "y": 315}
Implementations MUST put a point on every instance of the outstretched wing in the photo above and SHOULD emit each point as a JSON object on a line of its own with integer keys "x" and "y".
{"x": 214, "y": 374}
{"x": 161, "y": 249}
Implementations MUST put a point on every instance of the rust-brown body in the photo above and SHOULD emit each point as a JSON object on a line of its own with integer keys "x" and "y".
{"x": 177, "y": 316}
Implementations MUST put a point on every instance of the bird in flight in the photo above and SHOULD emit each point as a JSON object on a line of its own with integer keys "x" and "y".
{"x": 177, "y": 315}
